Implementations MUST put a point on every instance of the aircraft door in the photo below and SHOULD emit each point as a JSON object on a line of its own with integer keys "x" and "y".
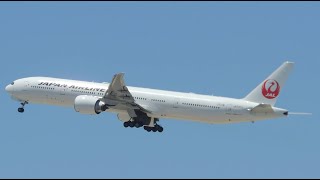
{"x": 233, "y": 109}
{"x": 62, "y": 95}
{"x": 63, "y": 91}
{"x": 176, "y": 102}
{"x": 25, "y": 89}
{"x": 229, "y": 109}
{"x": 26, "y": 85}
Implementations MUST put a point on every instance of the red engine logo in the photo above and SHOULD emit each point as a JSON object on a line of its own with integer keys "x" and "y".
{"x": 270, "y": 89}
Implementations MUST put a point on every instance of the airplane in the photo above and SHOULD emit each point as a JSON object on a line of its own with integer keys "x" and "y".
{"x": 143, "y": 107}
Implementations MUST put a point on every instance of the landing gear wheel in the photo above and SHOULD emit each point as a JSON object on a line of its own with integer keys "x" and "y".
{"x": 131, "y": 124}
{"x": 154, "y": 129}
{"x": 21, "y": 109}
{"x": 160, "y": 129}
{"x": 137, "y": 125}
{"x": 126, "y": 124}
{"x": 147, "y": 128}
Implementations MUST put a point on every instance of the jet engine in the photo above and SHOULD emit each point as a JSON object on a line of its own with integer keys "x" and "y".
{"x": 89, "y": 104}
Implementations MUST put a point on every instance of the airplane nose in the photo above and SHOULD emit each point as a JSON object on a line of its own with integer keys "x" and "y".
{"x": 9, "y": 88}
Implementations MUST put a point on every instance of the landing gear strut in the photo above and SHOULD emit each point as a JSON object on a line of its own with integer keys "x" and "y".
{"x": 156, "y": 127}
{"x": 21, "y": 109}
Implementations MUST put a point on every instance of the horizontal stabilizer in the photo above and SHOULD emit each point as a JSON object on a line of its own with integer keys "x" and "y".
{"x": 262, "y": 108}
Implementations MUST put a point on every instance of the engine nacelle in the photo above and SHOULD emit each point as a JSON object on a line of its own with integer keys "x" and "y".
{"x": 89, "y": 104}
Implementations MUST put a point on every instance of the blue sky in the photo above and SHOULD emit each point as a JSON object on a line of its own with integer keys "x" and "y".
{"x": 220, "y": 48}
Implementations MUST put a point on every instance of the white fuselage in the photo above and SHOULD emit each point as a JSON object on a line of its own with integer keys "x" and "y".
{"x": 162, "y": 104}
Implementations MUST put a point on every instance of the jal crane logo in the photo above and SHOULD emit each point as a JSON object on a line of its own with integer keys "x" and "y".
{"x": 270, "y": 89}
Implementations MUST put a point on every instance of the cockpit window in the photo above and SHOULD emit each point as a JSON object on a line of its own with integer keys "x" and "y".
{"x": 12, "y": 83}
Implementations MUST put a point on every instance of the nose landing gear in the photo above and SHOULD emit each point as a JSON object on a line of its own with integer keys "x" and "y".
{"x": 21, "y": 109}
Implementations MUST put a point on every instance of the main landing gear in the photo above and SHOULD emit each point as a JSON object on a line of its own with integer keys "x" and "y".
{"x": 21, "y": 109}
{"x": 132, "y": 124}
{"x": 137, "y": 124}
{"x": 154, "y": 129}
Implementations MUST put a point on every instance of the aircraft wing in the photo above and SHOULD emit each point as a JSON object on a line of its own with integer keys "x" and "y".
{"x": 119, "y": 94}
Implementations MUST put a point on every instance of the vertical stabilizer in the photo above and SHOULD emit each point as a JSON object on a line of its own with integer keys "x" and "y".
{"x": 268, "y": 91}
